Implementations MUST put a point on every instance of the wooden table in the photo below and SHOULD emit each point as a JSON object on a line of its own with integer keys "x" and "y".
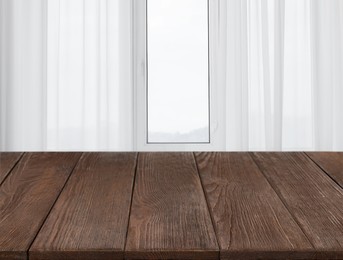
{"x": 171, "y": 205}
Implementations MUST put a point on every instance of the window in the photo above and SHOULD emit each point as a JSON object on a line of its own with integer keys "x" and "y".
{"x": 177, "y": 72}
{"x": 172, "y": 76}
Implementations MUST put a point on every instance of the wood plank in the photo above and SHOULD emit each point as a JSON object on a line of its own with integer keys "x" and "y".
{"x": 331, "y": 163}
{"x": 169, "y": 216}
{"x": 313, "y": 198}
{"x": 90, "y": 218}
{"x": 7, "y": 162}
{"x": 250, "y": 219}
{"x": 26, "y": 197}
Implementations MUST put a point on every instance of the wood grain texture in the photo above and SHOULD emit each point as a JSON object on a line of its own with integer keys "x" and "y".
{"x": 169, "y": 216}
{"x": 313, "y": 198}
{"x": 250, "y": 219}
{"x": 331, "y": 163}
{"x": 26, "y": 197}
{"x": 90, "y": 218}
{"x": 7, "y": 162}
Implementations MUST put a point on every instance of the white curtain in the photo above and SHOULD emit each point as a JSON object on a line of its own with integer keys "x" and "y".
{"x": 284, "y": 74}
{"x": 327, "y": 73}
{"x": 89, "y": 75}
{"x": 22, "y": 74}
{"x": 66, "y": 74}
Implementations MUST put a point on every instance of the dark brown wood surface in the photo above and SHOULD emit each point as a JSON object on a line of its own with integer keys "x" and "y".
{"x": 26, "y": 197}
{"x": 169, "y": 216}
{"x": 90, "y": 218}
{"x": 7, "y": 162}
{"x": 313, "y": 198}
{"x": 331, "y": 163}
{"x": 250, "y": 220}
{"x": 153, "y": 206}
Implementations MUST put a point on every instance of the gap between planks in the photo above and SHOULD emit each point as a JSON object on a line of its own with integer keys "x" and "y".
{"x": 329, "y": 162}
{"x": 92, "y": 213}
{"x": 24, "y": 200}
{"x": 132, "y": 191}
{"x": 11, "y": 164}
{"x": 47, "y": 215}
{"x": 206, "y": 199}
{"x": 249, "y": 217}
{"x": 281, "y": 199}
{"x": 311, "y": 196}
{"x": 169, "y": 216}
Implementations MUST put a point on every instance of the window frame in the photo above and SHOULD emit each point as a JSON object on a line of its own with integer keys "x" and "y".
{"x": 216, "y": 83}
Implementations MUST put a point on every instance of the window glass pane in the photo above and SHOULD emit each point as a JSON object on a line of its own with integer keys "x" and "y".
{"x": 178, "y": 83}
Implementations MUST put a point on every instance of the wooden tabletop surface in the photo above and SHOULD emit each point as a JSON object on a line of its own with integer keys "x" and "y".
{"x": 171, "y": 205}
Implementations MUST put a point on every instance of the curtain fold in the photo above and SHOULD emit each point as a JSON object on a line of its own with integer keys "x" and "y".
{"x": 237, "y": 115}
{"x": 327, "y": 62}
{"x": 22, "y": 74}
